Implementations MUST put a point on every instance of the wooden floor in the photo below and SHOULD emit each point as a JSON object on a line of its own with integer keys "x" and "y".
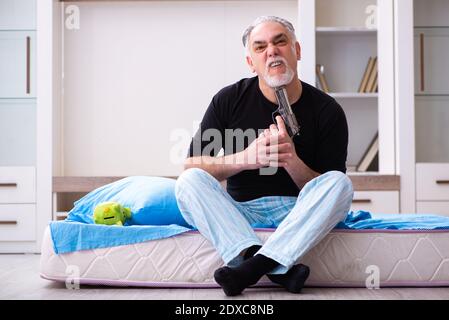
{"x": 19, "y": 279}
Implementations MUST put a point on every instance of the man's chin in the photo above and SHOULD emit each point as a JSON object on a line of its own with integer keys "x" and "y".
{"x": 278, "y": 81}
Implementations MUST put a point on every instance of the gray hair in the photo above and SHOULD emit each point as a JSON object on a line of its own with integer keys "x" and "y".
{"x": 261, "y": 19}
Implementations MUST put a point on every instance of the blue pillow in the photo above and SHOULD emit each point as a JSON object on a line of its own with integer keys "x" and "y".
{"x": 151, "y": 199}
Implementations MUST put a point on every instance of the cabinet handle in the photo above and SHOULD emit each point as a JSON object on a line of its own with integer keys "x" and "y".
{"x": 421, "y": 48}
{"x": 361, "y": 200}
{"x": 442, "y": 181}
{"x": 8, "y": 185}
{"x": 7, "y": 222}
{"x": 28, "y": 65}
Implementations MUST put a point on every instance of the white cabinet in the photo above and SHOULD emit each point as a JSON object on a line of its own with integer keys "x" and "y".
{"x": 431, "y": 89}
{"x": 17, "y": 64}
{"x": 17, "y": 14}
{"x": 376, "y": 201}
{"x": 25, "y": 117}
{"x": 432, "y": 92}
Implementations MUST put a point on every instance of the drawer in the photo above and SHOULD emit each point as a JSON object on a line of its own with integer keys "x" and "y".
{"x": 17, "y": 222}
{"x": 376, "y": 201}
{"x": 432, "y": 181}
{"x": 433, "y": 207}
{"x": 17, "y": 185}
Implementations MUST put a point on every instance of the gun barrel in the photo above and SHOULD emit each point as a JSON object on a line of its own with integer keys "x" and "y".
{"x": 286, "y": 111}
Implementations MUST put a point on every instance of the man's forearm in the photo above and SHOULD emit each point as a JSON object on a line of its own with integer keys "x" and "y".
{"x": 300, "y": 172}
{"x": 220, "y": 168}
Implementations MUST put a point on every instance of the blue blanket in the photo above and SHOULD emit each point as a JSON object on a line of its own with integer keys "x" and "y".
{"x": 365, "y": 220}
{"x": 73, "y": 236}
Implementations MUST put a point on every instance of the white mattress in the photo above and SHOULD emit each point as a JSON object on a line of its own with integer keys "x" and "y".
{"x": 343, "y": 258}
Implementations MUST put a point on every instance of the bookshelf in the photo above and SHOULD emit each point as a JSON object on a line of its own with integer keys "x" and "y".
{"x": 337, "y": 38}
{"x": 346, "y": 34}
{"x": 341, "y": 36}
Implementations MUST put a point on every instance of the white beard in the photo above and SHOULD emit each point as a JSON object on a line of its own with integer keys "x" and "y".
{"x": 279, "y": 80}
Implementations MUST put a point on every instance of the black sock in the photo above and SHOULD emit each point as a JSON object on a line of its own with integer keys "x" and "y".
{"x": 251, "y": 251}
{"x": 293, "y": 280}
{"x": 235, "y": 280}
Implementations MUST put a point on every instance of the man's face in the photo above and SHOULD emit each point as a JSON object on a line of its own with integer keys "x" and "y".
{"x": 272, "y": 54}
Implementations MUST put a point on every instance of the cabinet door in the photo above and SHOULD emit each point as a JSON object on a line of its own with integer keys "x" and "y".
{"x": 17, "y": 64}
{"x": 431, "y": 60}
{"x": 17, "y": 14}
{"x": 17, "y": 132}
{"x": 432, "y": 130}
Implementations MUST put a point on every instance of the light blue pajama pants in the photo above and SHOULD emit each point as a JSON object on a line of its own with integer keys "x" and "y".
{"x": 301, "y": 221}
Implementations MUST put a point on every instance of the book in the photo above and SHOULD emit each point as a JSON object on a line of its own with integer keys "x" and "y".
{"x": 372, "y": 77}
{"x": 368, "y": 160}
{"x": 376, "y": 88}
{"x": 364, "y": 80}
{"x": 373, "y": 86}
{"x": 374, "y": 165}
{"x": 321, "y": 78}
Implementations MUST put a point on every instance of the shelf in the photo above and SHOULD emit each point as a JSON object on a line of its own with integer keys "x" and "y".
{"x": 431, "y": 94}
{"x": 17, "y": 98}
{"x": 14, "y": 30}
{"x": 345, "y": 30}
{"x": 353, "y": 95}
{"x": 431, "y": 27}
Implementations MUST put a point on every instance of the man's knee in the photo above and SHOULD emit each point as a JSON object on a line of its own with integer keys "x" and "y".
{"x": 342, "y": 189}
{"x": 343, "y": 185}
{"x": 339, "y": 180}
{"x": 189, "y": 178}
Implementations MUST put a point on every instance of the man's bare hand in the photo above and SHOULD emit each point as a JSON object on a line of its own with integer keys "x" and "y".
{"x": 281, "y": 144}
{"x": 272, "y": 148}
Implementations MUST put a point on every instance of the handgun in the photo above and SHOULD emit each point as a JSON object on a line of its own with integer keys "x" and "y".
{"x": 285, "y": 111}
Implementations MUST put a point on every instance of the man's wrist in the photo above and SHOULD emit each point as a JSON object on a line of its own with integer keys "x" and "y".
{"x": 246, "y": 161}
{"x": 294, "y": 163}
{"x": 237, "y": 161}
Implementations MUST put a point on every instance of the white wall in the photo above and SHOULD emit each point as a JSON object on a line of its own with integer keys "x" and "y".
{"x": 136, "y": 71}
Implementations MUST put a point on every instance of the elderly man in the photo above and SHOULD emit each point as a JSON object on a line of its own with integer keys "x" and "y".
{"x": 296, "y": 184}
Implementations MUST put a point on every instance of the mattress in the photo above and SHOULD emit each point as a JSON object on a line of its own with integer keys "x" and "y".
{"x": 344, "y": 258}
